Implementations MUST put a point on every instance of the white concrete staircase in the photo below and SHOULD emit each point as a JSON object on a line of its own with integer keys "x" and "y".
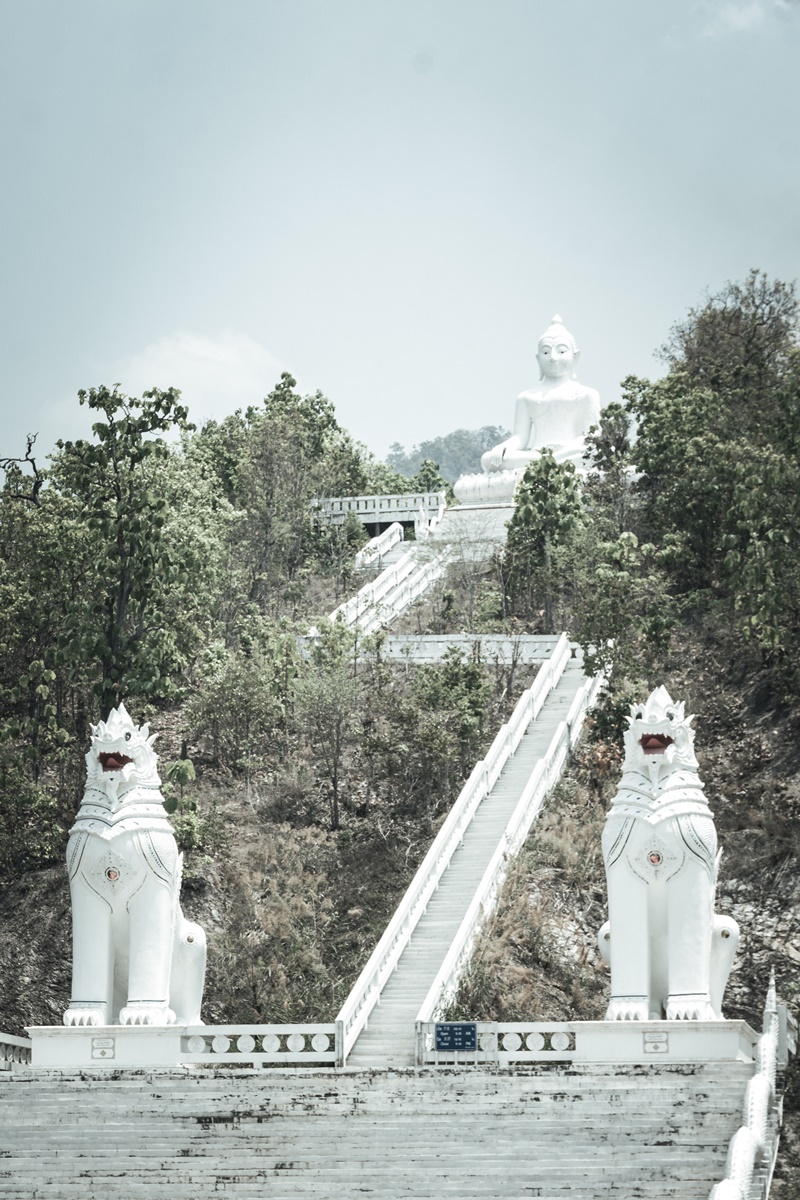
{"x": 398, "y": 585}
{"x": 388, "y": 1039}
{"x": 657, "y": 1132}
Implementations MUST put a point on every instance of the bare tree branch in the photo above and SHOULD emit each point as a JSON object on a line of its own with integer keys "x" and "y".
{"x": 14, "y": 467}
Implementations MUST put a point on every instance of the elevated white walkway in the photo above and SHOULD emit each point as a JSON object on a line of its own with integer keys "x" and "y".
{"x": 658, "y": 1132}
{"x": 382, "y": 510}
{"x": 522, "y": 649}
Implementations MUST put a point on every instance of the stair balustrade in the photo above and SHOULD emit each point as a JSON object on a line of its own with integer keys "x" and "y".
{"x": 543, "y": 779}
{"x": 386, "y": 955}
{"x": 286, "y": 1045}
{"x": 378, "y": 546}
{"x": 511, "y": 1043}
{"x": 753, "y": 1148}
{"x": 14, "y": 1051}
{"x": 381, "y": 601}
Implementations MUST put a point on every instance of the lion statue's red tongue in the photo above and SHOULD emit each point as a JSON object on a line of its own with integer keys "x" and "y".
{"x": 654, "y": 743}
{"x": 113, "y": 760}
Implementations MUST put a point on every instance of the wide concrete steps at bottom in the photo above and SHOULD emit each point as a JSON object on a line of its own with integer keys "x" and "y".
{"x": 552, "y": 1132}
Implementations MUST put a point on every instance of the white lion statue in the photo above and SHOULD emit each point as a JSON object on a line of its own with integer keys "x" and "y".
{"x": 670, "y": 954}
{"x": 136, "y": 960}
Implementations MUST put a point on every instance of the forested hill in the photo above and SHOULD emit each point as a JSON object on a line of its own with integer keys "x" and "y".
{"x": 172, "y": 567}
{"x": 457, "y": 453}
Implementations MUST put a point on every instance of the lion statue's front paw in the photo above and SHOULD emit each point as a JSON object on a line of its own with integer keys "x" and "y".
{"x": 146, "y": 1014}
{"x": 628, "y": 1008}
{"x": 690, "y": 1008}
{"x": 85, "y": 1014}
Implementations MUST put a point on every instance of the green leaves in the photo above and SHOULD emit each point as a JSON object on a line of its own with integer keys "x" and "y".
{"x": 547, "y": 517}
{"x": 717, "y": 451}
{"x": 127, "y": 483}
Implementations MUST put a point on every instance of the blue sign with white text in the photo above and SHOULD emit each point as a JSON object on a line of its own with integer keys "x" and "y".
{"x": 456, "y": 1035}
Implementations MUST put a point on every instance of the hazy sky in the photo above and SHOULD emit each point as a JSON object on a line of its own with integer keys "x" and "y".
{"x": 389, "y": 198}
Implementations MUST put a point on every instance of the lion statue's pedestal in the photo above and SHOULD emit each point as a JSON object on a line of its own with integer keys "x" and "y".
{"x": 136, "y": 960}
{"x": 670, "y": 954}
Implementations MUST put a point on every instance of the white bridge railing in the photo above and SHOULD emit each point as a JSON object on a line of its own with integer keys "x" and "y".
{"x": 371, "y": 594}
{"x": 754, "y": 1146}
{"x": 378, "y": 546}
{"x": 403, "y": 506}
{"x": 386, "y": 955}
{"x": 14, "y": 1050}
{"x": 504, "y": 1043}
{"x": 379, "y": 602}
{"x": 545, "y": 775}
{"x": 286, "y": 1045}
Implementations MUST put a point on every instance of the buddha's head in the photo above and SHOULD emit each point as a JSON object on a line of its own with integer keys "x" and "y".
{"x": 558, "y": 353}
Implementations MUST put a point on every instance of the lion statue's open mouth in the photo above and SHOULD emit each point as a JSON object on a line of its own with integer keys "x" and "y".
{"x": 112, "y": 761}
{"x": 655, "y": 743}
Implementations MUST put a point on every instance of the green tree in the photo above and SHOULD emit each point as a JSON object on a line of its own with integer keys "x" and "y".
{"x": 274, "y": 462}
{"x": 739, "y": 344}
{"x": 609, "y": 485}
{"x": 457, "y": 453}
{"x": 327, "y": 699}
{"x": 623, "y": 613}
{"x": 432, "y": 731}
{"x": 686, "y": 456}
{"x": 430, "y": 479}
{"x": 240, "y": 704}
{"x": 721, "y": 424}
{"x": 547, "y": 514}
{"x": 716, "y": 454}
{"x": 763, "y": 548}
{"x": 116, "y": 480}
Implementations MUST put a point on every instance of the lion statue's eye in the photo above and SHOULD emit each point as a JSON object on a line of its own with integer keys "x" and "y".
{"x": 640, "y": 714}
{"x": 670, "y": 716}
{"x": 127, "y": 737}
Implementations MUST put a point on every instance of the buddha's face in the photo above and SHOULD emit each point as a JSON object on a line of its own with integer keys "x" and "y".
{"x": 556, "y": 359}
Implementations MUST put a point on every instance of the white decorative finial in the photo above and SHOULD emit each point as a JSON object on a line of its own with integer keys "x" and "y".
{"x": 771, "y": 1004}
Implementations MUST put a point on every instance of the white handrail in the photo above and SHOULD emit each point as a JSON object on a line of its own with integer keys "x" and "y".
{"x": 384, "y": 958}
{"x": 378, "y": 546}
{"x": 379, "y": 602}
{"x": 372, "y": 593}
{"x": 543, "y": 778}
{"x": 14, "y": 1050}
{"x": 756, "y": 1139}
{"x": 504, "y": 1043}
{"x": 317, "y": 1043}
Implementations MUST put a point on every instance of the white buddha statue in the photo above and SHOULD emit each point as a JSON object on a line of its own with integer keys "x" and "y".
{"x": 556, "y": 415}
